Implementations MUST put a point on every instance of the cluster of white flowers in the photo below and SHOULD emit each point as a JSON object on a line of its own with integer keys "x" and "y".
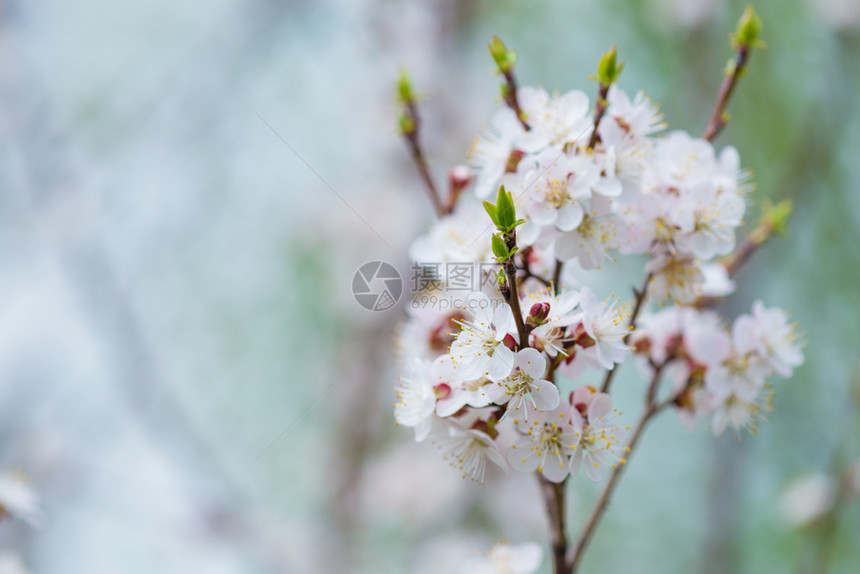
{"x": 482, "y": 400}
{"x": 588, "y": 186}
{"x": 672, "y": 197}
{"x": 720, "y": 373}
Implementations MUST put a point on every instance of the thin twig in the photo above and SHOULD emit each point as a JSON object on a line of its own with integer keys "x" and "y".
{"x": 556, "y": 276}
{"x": 512, "y": 297}
{"x": 554, "y": 497}
{"x": 598, "y": 115}
{"x": 511, "y": 97}
{"x": 555, "y": 507}
{"x": 717, "y": 120}
{"x": 420, "y": 160}
{"x": 637, "y": 307}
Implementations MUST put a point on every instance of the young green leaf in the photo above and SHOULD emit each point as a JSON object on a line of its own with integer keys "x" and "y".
{"x": 608, "y": 69}
{"x": 749, "y": 29}
{"x": 405, "y": 91}
{"x": 500, "y": 248}
{"x": 504, "y": 58}
{"x": 505, "y": 210}
{"x": 492, "y": 212}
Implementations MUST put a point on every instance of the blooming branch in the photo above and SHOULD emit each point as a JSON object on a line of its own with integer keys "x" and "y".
{"x": 584, "y": 184}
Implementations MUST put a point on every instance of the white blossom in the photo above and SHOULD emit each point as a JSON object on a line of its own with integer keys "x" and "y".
{"x": 549, "y": 440}
{"x": 554, "y": 119}
{"x": 600, "y": 436}
{"x": 479, "y": 349}
{"x": 768, "y": 334}
{"x": 525, "y": 388}
{"x": 468, "y": 450}
{"x": 606, "y": 326}
{"x": 416, "y": 401}
{"x": 492, "y": 151}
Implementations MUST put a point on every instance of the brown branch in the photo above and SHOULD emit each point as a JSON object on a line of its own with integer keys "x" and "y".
{"x": 718, "y": 118}
{"x": 511, "y": 97}
{"x": 510, "y": 289}
{"x": 555, "y": 508}
{"x": 574, "y": 555}
{"x": 410, "y": 133}
{"x": 554, "y": 497}
{"x": 556, "y": 276}
{"x": 598, "y": 114}
{"x": 511, "y": 293}
{"x": 637, "y": 307}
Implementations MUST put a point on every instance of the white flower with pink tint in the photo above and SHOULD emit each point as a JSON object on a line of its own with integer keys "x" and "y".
{"x": 468, "y": 450}
{"x": 549, "y": 439}
{"x": 416, "y": 400}
{"x": 491, "y": 155}
{"x": 525, "y": 388}
{"x": 600, "y": 435}
{"x": 768, "y": 334}
{"x": 595, "y": 235}
{"x": 606, "y": 326}
{"x": 554, "y": 119}
{"x": 453, "y": 393}
{"x": 479, "y": 350}
{"x": 556, "y": 189}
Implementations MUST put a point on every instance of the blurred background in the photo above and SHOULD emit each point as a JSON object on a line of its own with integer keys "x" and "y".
{"x": 186, "y": 189}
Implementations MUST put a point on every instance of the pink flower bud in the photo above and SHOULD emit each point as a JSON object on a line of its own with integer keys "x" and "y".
{"x": 538, "y": 314}
{"x": 581, "y": 398}
{"x": 458, "y": 178}
{"x": 442, "y": 391}
{"x": 509, "y": 342}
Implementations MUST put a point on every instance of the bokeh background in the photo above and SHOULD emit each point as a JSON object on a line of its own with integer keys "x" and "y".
{"x": 186, "y": 189}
